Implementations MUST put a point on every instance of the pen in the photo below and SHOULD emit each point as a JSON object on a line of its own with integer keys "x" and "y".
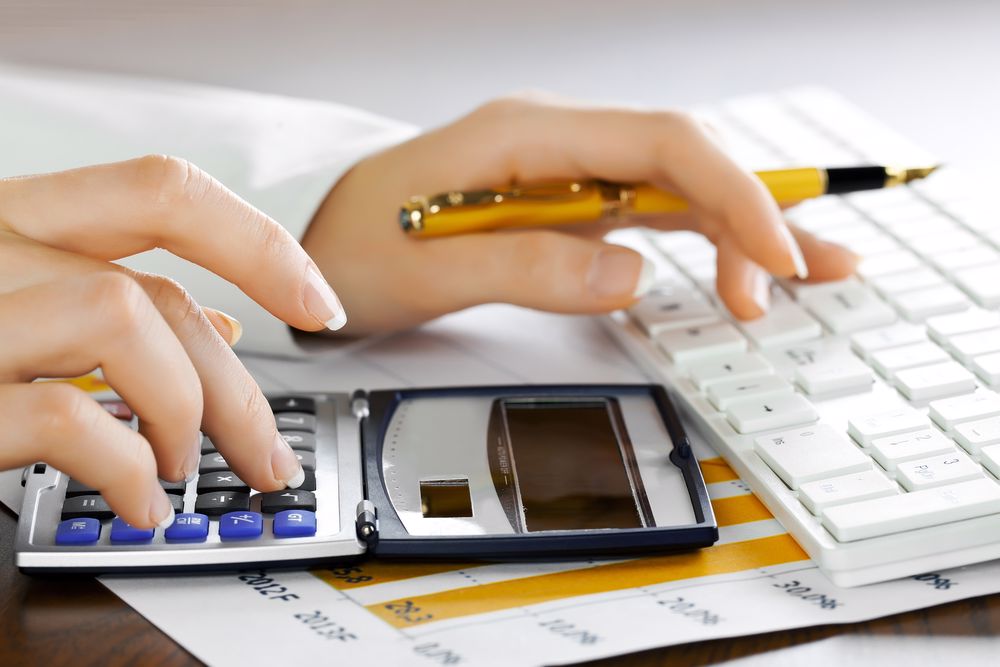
{"x": 545, "y": 204}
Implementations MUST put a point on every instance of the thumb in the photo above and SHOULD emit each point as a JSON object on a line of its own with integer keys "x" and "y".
{"x": 545, "y": 270}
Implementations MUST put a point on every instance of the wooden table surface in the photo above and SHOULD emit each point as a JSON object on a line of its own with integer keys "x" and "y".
{"x": 77, "y": 621}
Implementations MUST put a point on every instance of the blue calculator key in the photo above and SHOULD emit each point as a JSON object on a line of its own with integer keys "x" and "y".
{"x": 122, "y": 533}
{"x": 241, "y": 525}
{"x": 78, "y": 531}
{"x": 294, "y": 523}
{"x": 188, "y": 527}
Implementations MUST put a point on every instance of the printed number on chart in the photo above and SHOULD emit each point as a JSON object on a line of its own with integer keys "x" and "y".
{"x": 796, "y": 589}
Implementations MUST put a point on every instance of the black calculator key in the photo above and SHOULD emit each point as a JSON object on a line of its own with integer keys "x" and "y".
{"x": 207, "y": 446}
{"x": 212, "y": 463}
{"x": 75, "y": 488}
{"x": 80, "y": 507}
{"x": 295, "y": 421}
{"x": 306, "y": 459}
{"x": 174, "y": 488}
{"x": 289, "y": 499}
{"x": 300, "y": 440}
{"x": 293, "y": 404}
{"x": 309, "y": 483}
{"x": 224, "y": 480}
{"x": 220, "y": 502}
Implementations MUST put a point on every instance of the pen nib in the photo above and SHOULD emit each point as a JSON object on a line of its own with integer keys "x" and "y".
{"x": 901, "y": 175}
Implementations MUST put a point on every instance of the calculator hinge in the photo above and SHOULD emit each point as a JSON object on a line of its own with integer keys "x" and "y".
{"x": 367, "y": 522}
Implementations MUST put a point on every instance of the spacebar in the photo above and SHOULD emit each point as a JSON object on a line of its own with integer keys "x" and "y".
{"x": 909, "y": 511}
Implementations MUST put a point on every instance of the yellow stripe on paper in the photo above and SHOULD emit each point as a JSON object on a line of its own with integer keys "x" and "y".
{"x": 90, "y": 383}
{"x": 383, "y": 572}
{"x": 716, "y": 470}
{"x": 739, "y": 509}
{"x": 485, "y": 598}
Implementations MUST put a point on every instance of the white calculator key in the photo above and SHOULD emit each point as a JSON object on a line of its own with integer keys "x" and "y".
{"x": 895, "y": 449}
{"x": 835, "y": 373}
{"x": 871, "y": 268}
{"x": 895, "y": 335}
{"x": 975, "y": 435}
{"x": 724, "y": 394}
{"x": 896, "y": 283}
{"x": 937, "y": 470}
{"x": 918, "y": 305}
{"x": 988, "y": 368}
{"x": 909, "y": 511}
{"x": 919, "y": 354}
{"x": 697, "y": 343}
{"x": 948, "y": 412}
{"x": 975, "y": 344}
{"x": 990, "y": 457}
{"x": 806, "y": 454}
{"x": 824, "y": 493}
{"x": 848, "y": 310}
{"x": 729, "y": 367}
{"x": 785, "y": 322}
{"x": 771, "y": 413}
{"x": 982, "y": 283}
{"x": 879, "y": 425}
{"x": 674, "y": 308}
{"x": 943, "y": 327}
{"x": 929, "y": 382}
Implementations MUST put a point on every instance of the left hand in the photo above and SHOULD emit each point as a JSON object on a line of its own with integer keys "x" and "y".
{"x": 389, "y": 281}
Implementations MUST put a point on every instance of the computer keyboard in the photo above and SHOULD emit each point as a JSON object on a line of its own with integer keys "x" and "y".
{"x": 861, "y": 412}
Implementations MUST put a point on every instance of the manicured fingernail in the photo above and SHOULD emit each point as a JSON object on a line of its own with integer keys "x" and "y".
{"x": 801, "y": 270}
{"x": 161, "y": 512}
{"x": 321, "y": 301}
{"x": 760, "y": 290}
{"x": 617, "y": 272}
{"x": 285, "y": 465}
{"x": 192, "y": 460}
{"x": 228, "y": 326}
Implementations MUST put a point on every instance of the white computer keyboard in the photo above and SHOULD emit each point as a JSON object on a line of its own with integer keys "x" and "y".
{"x": 860, "y": 412}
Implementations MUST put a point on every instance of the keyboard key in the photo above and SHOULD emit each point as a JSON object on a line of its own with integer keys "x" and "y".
{"x": 948, "y": 412}
{"x": 174, "y": 488}
{"x": 895, "y": 359}
{"x": 187, "y": 528}
{"x": 207, "y": 446}
{"x": 685, "y": 346}
{"x": 308, "y": 482}
{"x": 122, "y": 533}
{"x": 965, "y": 258}
{"x": 918, "y": 305}
{"x": 845, "y": 311}
{"x": 241, "y": 526}
{"x": 79, "y": 531}
{"x": 724, "y": 394}
{"x": 294, "y": 523}
{"x": 982, "y": 283}
{"x": 224, "y": 480}
{"x": 937, "y": 471}
{"x": 772, "y": 413}
{"x": 804, "y": 290}
{"x": 929, "y": 382}
{"x": 75, "y": 488}
{"x": 874, "y": 267}
{"x": 741, "y": 366}
{"x": 929, "y": 245}
{"x": 823, "y": 493}
{"x": 975, "y": 435}
{"x": 290, "y": 499}
{"x": 866, "y": 343}
{"x": 990, "y": 457}
{"x": 292, "y": 404}
{"x": 864, "y": 429}
{"x": 910, "y": 511}
{"x": 897, "y": 283}
{"x": 118, "y": 409}
{"x": 895, "y": 449}
{"x": 86, "y": 506}
{"x": 306, "y": 459}
{"x": 785, "y": 322}
{"x": 295, "y": 421}
{"x": 988, "y": 368}
{"x": 676, "y": 308}
{"x": 969, "y": 345}
{"x": 212, "y": 463}
{"x": 300, "y": 440}
{"x": 842, "y": 373}
{"x": 220, "y": 502}
{"x": 806, "y": 454}
{"x": 943, "y": 327}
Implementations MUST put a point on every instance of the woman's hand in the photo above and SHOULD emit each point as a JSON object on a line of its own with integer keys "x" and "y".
{"x": 389, "y": 281}
{"x": 65, "y": 310}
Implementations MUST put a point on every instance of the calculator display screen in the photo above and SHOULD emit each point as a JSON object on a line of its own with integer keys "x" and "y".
{"x": 570, "y": 465}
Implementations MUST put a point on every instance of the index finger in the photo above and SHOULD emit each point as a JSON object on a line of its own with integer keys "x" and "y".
{"x": 111, "y": 211}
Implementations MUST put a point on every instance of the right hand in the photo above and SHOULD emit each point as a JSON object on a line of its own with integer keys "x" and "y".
{"x": 66, "y": 309}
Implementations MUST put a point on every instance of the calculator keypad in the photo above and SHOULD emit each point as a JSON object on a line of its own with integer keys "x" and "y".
{"x": 219, "y": 503}
{"x": 225, "y": 480}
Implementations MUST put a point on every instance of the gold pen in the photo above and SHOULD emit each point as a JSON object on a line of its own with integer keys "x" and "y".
{"x": 547, "y": 204}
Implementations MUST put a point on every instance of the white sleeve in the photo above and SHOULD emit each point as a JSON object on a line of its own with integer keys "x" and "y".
{"x": 281, "y": 154}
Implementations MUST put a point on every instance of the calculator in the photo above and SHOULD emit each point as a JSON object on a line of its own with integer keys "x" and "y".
{"x": 493, "y": 473}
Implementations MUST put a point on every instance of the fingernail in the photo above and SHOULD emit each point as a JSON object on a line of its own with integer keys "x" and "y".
{"x": 801, "y": 270}
{"x": 192, "y": 460}
{"x": 616, "y": 272}
{"x": 285, "y": 465}
{"x": 228, "y": 326}
{"x": 760, "y": 291}
{"x": 321, "y": 301}
{"x": 161, "y": 512}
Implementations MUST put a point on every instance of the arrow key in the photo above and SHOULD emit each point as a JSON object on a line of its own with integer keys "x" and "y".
{"x": 289, "y": 499}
